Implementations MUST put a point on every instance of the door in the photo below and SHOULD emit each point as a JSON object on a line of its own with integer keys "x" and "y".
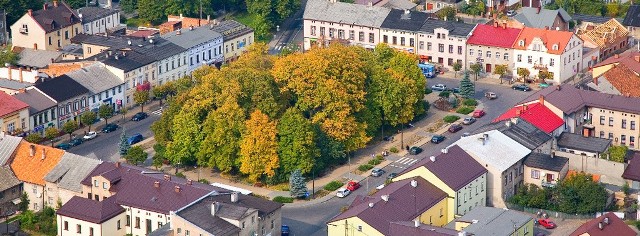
{"x": 488, "y": 68}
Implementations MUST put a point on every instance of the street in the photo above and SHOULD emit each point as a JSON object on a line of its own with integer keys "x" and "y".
{"x": 289, "y": 32}
{"x": 311, "y": 219}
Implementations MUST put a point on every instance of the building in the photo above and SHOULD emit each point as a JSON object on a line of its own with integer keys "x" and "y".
{"x": 97, "y": 20}
{"x": 37, "y": 59}
{"x": 492, "y": 45}
{"x": 70, "y": 96}
{"x": 557, "y": 52}
{"x": 632, "y": 21}
{"x": 405, "y": 200}
{"x": 42, "y": 109}
{"x": 545, "y": 170}
{"x": 269, "y": 219}
{"x": 522, "y": 132}
{"x": 502, "y": 157}
{"x": 14, "y": 115}
{"x": 493, "y": 221}
{"x": 392, "y": 4}
{"x": 630, "y": 59}
{"x": 189, "y": 21}
{"x": 606, "y": 224}
{"x": 408, "y": 228}
{"x": 583, "y": 145}
{"x": 619, "y": 80}
{"x": 328, "y": 20}
{"x": 444, "y": 42}
{"x": 610, "y": 37}
{"x": 398, "y": 30}
{"x": 202, "y": 44}
{"x": 631, "y": 174}
{"x": 48, "y": 29}
{"x": 538, "y": 115}
{"x": 465, "y": 188}
{"x": 8, "y": 145}
{"x": 433, "y": 6}
{"x": 82, "y": 216}
{"x": 105, "y": 88}
{"x": 63, "y": 181}
{"x": 236, "y": 37}
{"x": 10, "y": 190}
{"x": 538, "y": 17}
{"x": 31, "y": 163}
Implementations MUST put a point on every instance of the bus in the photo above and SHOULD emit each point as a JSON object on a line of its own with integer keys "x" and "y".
{"x": 428, "y": 70}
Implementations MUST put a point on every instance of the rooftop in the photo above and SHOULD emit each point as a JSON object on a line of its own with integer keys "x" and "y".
{"x": 37, "y": 100}
{"x": 9, "y": 104}
{"x": 62, "y": 88}
{"x": 490, "y": 35}
{"x": 8, "y": 145}
{"x": 71, "y": 170}
{"x": 38, "y": 58}
{"x": 404, "y": 20}
{"x": 188, "y": 21}
{"x": 97, "y": 78}
{"x": 540, "y": 18}
{"x": 604, "y": 34}
{"x": 455, "y": 28}
{"x": 550, "y": 39}
{"x": 408, "y": 228}
{"x": 55, "y": 17}
{"x": 632, "y": 171}
{"x": 491, "y": 221}
{"x": 33, "y": 168}
{"x": 199, "y": 213}
{"x": 627, "y": 58}
{"x": 519, "y": 130}
{"x": 231, "y": 29}
{"x": 632, "y": 18}
{"x": 345, "y": 13}
{"x": 400, "y": 4}
{"x": 546, "y": 161}
{"x": 8, "y": 179}
{"x": 537, "y": 114}
{"x": 13, "y": 84}
{"x": 89, "y": 210}
{"x": 591, "y": 18}
{"x": 497, "y": 149}
{"x": 623, "y": 80}
{"x": 140, "y": 50}
{"x": 90, "y": 14}
{"x": 190, "y": 38}
{"x": 582, "y": 143}
{"x": 615, "y": 227}
{"x": 143, "y": 33}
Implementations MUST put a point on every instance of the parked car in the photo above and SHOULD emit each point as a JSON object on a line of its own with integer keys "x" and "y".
{"x": 437, "y": 139}
{"x": 455, "y": 128}
{"x": 454, "y": 90}
{"x": 439, "y": 87}
{"x": 388, "y": 138}
{"x": 136, "y": 138}
{"x": 468, "y": 120}
{"x": 546, "y": 223}
{"x": 63, "y": 146}
{"x": 478, "y": 113}
{"x": 284, "y": 230}
{"x": 490, "y": 95}
{"x": 521, "y": 87}
{"x": 380, "y": 186}
{"x": 343, "y": 192}
{"x": 76, "y": 141}
{"x": 415, "y": 150}
{"x": 377, "y": 172}
{"x": 465, "y": 134}
{"x": 392, "y": 175}
{"x": 511, "y": 13}
{"x": 90, "y": 135}
{"x": 109, "y": 128}
{"x": 139, "y": 116}
{"x": 353, "y": 185}
{"x": 543, "y": 85}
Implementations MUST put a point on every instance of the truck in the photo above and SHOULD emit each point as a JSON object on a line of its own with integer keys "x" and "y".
{"x": 428, "y": 70}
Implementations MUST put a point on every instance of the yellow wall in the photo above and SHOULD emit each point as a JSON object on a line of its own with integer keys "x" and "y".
{"x": 433, "y": 216}
{"x": 433, "y": 179}
{"x": 597, "y": 71}
{"x": 350, "y": 227}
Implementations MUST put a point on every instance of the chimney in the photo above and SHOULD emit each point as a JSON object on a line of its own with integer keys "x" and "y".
{"x": 368, "y": 4}
{"x": 606, "y": 220}
{"x": 518, "y": 112}
{"x": 32, "y": 150}
{"x": 445, "y": 150}
{"x": 541, "y": 99}
{"x": 495, "y": 24}
{"x": 539, "y": 8}
{"x": 30, "y": 12}
{"x": 55, "y": 3}
{"x": 406, "y": 11}
{"x": 414, "y": 183}
{"x": 616, "y": 56}
{"x": 156, "y": 184}
{"x": 214, "y": 208}
{"x": 600, "y": 225}
{"x": 546, "y": 27}
{"x": 189, "y": 182}
{"x": 20, "y": 74}
{"x": 504, "y": 25}
{"x": 525, "y": 107}
{"x": 22, "y": 90}
{"x": 177, "y": 189}
{"x": 507, "y": 123}
{"x": 637, "y": 58}
{"x": 481, "y": 140}
{"x": 44, "y": 6}
{"x": 371, "y": 205}
{"x": 558, "y": 87}
{"x": 432, "y": 158}
{"x": 385, "y": 198}
{"x": 485, "y": 136}
{"x": 167, "y": 177}
{"x": 416, "y": 223}
{"x": 178, "y": 32}
{"x": 44, "y": 155}
{"x": 234, "y": 197}
{"x": 191, "y": 27}
{"x": 35, "y": 46}
{"x": 117, "y": 164}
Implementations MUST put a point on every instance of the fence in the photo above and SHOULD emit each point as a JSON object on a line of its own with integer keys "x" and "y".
{"x": 549, "y": 213}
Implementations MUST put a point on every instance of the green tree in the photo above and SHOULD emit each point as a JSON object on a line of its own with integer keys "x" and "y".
{"x": 544, "y": 76}
{"x": 17, "y": 8}
{"x": 129, "y": 6}
{"x": 259, "y": 7}
{"x": 476, "y": 68}
{"x": 447, "y": 13}
{"x": 140, "y": 97}
{"x": 296, "y": 147}
{"x": 474, "y": 8}
{"x": 159, "y": 157}
{"x": 51, "y": 133}
{"x": 580, "y": 195}
{"x": 523, "y": 73}
{"x": 258, "y": 147}
{"x": 8, "y": 56}
{"x": 69, "y": 127}
{"x": 284, "y": 8}
{"x": 33, "y": 138}
{"x": 151, "y": 11}
{"x": 297, "y": 186}
{"x": 135, "y": 155}
{"x": 75, "y": 4}
{"x": 88, "y": 118}
{"x": 500, "y": 70}
{"x": 617, "y": 153}
{"x": 24, "y": 202}
{"x": 261, "y": 26}
{"x": 220, "y": 148}
{"x": 124, "y": 143}
{"x": 457, "y": 66}
{"x": 467, "y": 89}
{"x": 105, "y": 111}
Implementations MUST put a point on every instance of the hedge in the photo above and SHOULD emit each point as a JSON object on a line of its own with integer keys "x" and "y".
{"x": 374, "y": 162}
{"x": 365, "y": 167}
{"x": 428, "y": 91}
{"x": 450, "y": 118}
{"x": 282, "y": 199}
{"x": 333, "y": 185}
{"x": 464, "y": 110}
{"x": 470, "y": 102}
{"x": 394, "y": 150}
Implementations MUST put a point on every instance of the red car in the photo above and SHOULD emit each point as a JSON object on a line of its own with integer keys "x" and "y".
{"x": 547, "y": 223}
{"x": 352, "y": 185}
{"x": 478, "y": 113}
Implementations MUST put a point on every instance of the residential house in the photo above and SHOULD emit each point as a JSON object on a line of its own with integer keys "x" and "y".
{"x": 631, "y": 174}
{"x": 609, "y": 38}
{"x": 202, "y": 44}
{"x": 405, "y": 200}
{"x": 444, "y": 42}
{"x": 398, "y": 30}
{"x": 98, "y": 20}
{"x": 42, "y": 109}
{"x": 104, "y": 86}
{"x": 492, "y": 45}
{"x": 48, "y": 29}
{"x": 465, "y": 188}
{"x": 10, "y": 190}
{"x": 522, "y": 132}
{"x": 538, "y": 17}
{"x": 545, "y": 170}
{"x": 632, "y": 21}
{"x": 14, "y": 115}
{"x": 433, "y": 6}
{"x": 328, "y": 20}
{"x": 31, "y": 163}
{"x": 82, "y": 216}
{"x": 37, "y": 59}
{"x": 538, "y": 115}
{"x": 392, "y": 4}
{"x": 236, "y": 37}
{"x": 12, "y": 86}
{"x": 619, "y": 80}
{"x": 583, "y": 145}
{"x": 630, "y": 59}
{"x": 70, "y": 96}
{"x": 606, "y": 224}
{"x": 557, "y": 52}
{"x": 8, "y": 145}
{"x": 63, "y": 181}
{"x": 269, "y": 219}
{"x": 494, "y": 221}
{"x": 12, "y": 79}
{"x": 502, "y": 157}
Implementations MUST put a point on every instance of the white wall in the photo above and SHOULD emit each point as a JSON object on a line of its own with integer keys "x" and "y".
{"x": 18, "y": 74}
{"x": 423, "y": 47}
{"x": 35, "y": 193}
{"x": 314, "y": 25}
{"x": 107, "y": 97}
{"x": 107, "y": 228}
{"x": 155, "y": 217}
{"x": 405, "y": 40}
{"x": 101, "y": 25}
{"x": 199, "y": 55}
{"x": 172, "y": 68}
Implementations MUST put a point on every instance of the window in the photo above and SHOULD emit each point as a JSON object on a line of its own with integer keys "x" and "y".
{"x": 421, "y": 45}
{"x": 128, "y": 223}
{"x": 104, "y": 185}
{"x": 479, "y": 53}
{"x": 385, "y": 39}
{"x": 352, "y": 34}
{"x": 497, "y": 55}
{"x": 428, "y": 46}
{"x": 90, "y": 231}
{"x": 535, "y": 174}
{"x": 632, "y": 140}
{"x": 186, "y": 232}
{"x": 66, "y": 34}
{"x": 506, "y": 56}
{"x": 450, "y": 48}
{"x": 394, "y": 40}
{"x": 66, "y": 225}
{"x": 179, "y": 230}
{"x": 118, "y": 225}
{"x": 371, "y": 38}
{"x": 624, "y": 123}
{"x": 450, "y": 62}
{"x": 610, "y": 135}
{"x": 361, "y": 36}
{"x": 95, "y": 183}
{"x": 610, "y": 121}
{"x": 529, "y": 59}
{"x": 402, "y": 41}
{"x": 552, "y": 62}
{"x": 601, "y": 120}
{"x": 601, "y": 134}
{"x": 488, "y": 54}
{"x": 623, "y": 139}
{"x": 505, "y": 180}
{"x": 78, "y": 228}
{"x": 459, "y": 50}
{"x": 243, "y": 224}
{"x": 441, "y": 212}
{"x": 411, "y": 42}
{"x": 470, "y": 52}
{"x": 331, "y": 32}
{"x": 321, "y": 31}
{"x": 633, "y": 125}
{"x": 440, "y": 47}
{"x": 521, "y": 43}
{"x": 341, "y": 34}
{"x": 137, "y": 223}
{"x": 313, "y": 30}
{"x": 50, "y": 43}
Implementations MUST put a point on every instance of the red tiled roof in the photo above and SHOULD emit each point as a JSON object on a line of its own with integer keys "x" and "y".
{"x": 537, "y": 114}
{"x": 624, "y": 80}
{"x": 9, "y": 104}
{"x": 489, "y": 35}
{"x": 33, "y": 169}
{"x": 615, "y": 227}
{"x": 628, "y": 59}
{"x": 143, "y": 33}
{"x": 548, "y": 37}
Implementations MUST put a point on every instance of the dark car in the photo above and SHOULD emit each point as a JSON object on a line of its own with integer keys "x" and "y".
{"x": 455, "y": 128}
{"x": 284, "y": 230}
{"x": 454, "y": 90}
{"x": 75, "y": 142}
{"x": 139, "y": 116}
{"x": 109, "y": 128}
{"x": 392, "y": 175}
{"x": 437, "y": 139}
{"x": 521, "y": 87}
{"x": 388, "y": 138}
{"x": 377, "y": 172}
{"x": 136, "y": 138}
{"x": 415, "y": 150}
{"x": 63, "y": 146}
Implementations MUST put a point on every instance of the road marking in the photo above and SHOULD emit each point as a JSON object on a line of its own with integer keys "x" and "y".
{"x": 157, "y": 112}
{"x": 406, "y": 161}
{"x": 396, "y": 166}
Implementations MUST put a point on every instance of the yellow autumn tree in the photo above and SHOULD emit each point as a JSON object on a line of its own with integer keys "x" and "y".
{"x": 258, "y": 147}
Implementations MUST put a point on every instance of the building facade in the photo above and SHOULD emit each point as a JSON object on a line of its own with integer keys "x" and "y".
{"x": 492, "y": 45}
{"x": 71, "y": 97}
{"x": 202, "y": 45}
{"x": 14, "y": 115}
{"x": 104, "y": 87}
{"x": 236, "y": 37}
{"x": 97, "y": 20}
{"x": 48, "y": 29}
{"x": 42, "y": 109}
{"x": 444, "y": 42}
{"x": 399, "y": 29}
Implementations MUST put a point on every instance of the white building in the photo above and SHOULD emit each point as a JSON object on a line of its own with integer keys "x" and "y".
{"x": 96, "y": 20}
{"x": 104, "y": 86}
{"x": 444, "y": 42}
{"x": 202, "y": 44}
{"x": 399, "y": 29}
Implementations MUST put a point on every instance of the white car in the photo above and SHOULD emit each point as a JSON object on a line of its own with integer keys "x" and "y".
{"x": 439, "y": 87}
{"x": 511, "y": 13}
{"x": 90, "y": 135}
{"x": 343, "y": 192}
{"x": 380, "y": 186}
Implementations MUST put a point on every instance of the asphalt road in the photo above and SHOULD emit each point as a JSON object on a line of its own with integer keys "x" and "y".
{"x": 311, "y": 220}
{"x": 290, "y": 32}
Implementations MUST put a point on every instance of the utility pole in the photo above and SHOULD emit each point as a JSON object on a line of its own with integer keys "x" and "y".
{"x": 200, "y": 19}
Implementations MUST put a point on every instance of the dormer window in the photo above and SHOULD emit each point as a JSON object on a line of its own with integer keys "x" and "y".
{"x": 521, "y": 43}
{"x": 555, "y": 47}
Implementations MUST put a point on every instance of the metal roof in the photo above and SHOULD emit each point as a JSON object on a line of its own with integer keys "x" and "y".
{"x": 345, "y": 13}
{"x": 8, "y": 145}
{"x": 497, "y": 149}
{"x": 492, "y": 221}
{"x": 189, "y": 38}
{"x": 70, "y": 170}
{"x": 97, "y": 78}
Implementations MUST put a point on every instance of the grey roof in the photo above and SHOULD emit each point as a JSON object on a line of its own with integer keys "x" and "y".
{"x": 9, "y": 180}
{"x": 345, "y": 13}
{"x": 90, "y": 14}
{"x": 545, "y": 161}
{"x": 593, "y": 19}
{"x": 71, "y": 170}
{"x": 408, "y": 228}
{"x": 231, "y": 29}
{"x": 13, "y": 84}
{"x": 531, "y": 18}
{"x": 199, "y": 214}
{"x": 38, "y": 58}
{"x": 400, "y": 4}
{"x": 8, "y": 145}
{"x": 497, "y": 150}
{"x": 632, "y": 18}
{"x": 456, "y": 28}
{"x": 401, "y": 20}
{"x": 491, "y": 221}
{"x": 97, "y": 78}
{"x": 579, "y": 142}
{"x": 165, "y": 230}
{"x": 189, "y": 38}
{"x": 519, "y": 130}
{"x": 37, "y": 100}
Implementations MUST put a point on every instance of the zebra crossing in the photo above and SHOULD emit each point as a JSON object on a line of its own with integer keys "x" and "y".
{"x": 403, "y": 162}
{"x": 279, "y": 47}
{"x": 157, "y": 112}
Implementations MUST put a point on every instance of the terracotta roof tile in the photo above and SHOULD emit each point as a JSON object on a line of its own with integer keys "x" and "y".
{"x": 32, "y": 169}
{"x": 615, "y": 227}
{"x": 548, "y": 37}
{"x": 9, "y": 104}
{"x": 624, "y": 80}
{"x": 627, "y": 58}
{"x": 57, "y": 69}
{"x": 489, "y": 35}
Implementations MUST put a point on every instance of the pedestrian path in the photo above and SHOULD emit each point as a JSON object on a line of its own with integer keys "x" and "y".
{"x": 404, "y": 162}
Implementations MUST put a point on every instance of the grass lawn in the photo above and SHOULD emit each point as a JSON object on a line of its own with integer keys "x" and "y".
{"x": 135, "y": 22}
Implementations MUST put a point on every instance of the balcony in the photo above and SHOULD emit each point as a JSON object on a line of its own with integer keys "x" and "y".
{"x": 540, "y": 66}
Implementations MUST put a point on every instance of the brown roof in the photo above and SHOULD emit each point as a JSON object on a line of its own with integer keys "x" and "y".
{"x": 605, "y": 33}
{"x": 143, "y": 33}
{"x": 10, "y": 104}
{"x": 624, "y": 80}
{"x": 632, "y": 171}
{"x": 32, "y": 169}
{"x": 188, "y": 21}
{"x": 55, "y": 17}
{"x": 548, "y": 37}
{"x": 58, "y": 69}
{"x": 615, "y": 227}
{"x": 89, "y": 210}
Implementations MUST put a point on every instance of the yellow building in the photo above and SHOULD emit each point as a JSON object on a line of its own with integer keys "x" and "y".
{"x": 14, "y": 114}
{"x": 401, "y": 201}
{"x": 236, "y": 38}
{"x": 48, "y": 29}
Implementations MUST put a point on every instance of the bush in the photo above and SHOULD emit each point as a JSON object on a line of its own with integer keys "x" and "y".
{"x": 470, "y": 102}
{"x": 282, "y": 199}
{"x": 450, "y": 118}
{"x": 464, "y": 110}
{"x": 393, "y": 150}
{"x": 428, "y": 91}
{"x": 365, "y": 167}
{"x": 444, "y": 94}
{"x": 637, "y": 224}
{"x": 204, "y": 181}
{"x": 333, "y": 185}
{"x": 380, "y": 158}
{"x": 181, "y": 175}
{"x": 374, "y": 162}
